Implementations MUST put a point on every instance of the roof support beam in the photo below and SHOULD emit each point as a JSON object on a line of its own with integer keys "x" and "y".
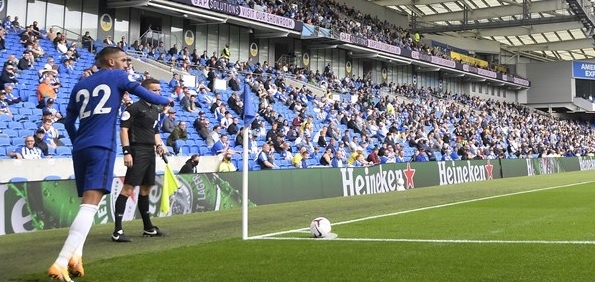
{"x": 409, "y": 2}
{"x": 532, "y": 29}
{"x": 494, "y": 12}
{"x": 489, "y": 25}
{"x": 553, "y": 46}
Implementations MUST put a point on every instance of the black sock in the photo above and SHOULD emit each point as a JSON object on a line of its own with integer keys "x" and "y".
{"x": 143, "y": 208}
{"x": 119, "y": 211}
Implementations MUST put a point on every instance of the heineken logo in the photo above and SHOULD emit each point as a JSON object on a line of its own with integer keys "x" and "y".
{"x": 586, "y": 163}
{"x": 364, "y": 181}
{"x": 460, "y": 172}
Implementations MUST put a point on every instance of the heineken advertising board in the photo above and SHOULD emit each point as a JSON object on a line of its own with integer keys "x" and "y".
{"x": 43, "y": 205}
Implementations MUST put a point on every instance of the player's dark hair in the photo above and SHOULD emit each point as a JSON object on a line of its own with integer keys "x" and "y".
{"x": 105, "y": 53}
{"x": 148, "y": 82}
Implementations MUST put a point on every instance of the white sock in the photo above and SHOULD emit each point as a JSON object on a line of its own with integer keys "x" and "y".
{"x": 78, "y": 233}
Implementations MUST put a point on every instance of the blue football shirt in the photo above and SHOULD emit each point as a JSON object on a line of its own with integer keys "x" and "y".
{"x": 95, "y": 101}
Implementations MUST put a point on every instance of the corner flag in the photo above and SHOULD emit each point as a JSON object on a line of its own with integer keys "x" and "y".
{"x": 249, "y": 110}
{"x": 170, "y": 185}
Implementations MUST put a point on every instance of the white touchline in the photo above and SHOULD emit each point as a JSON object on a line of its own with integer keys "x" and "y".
{"x": 264, "y": 236}
{"x": 438, "y": 241}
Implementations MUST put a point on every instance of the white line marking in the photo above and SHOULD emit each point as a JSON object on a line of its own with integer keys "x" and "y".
{"x": 423, "y": 209}
{"x": 440, "y": 241}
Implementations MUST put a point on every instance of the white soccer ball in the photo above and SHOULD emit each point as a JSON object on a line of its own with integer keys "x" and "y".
{"x": 320, "y": 227}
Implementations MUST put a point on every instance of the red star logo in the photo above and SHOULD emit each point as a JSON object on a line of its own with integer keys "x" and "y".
{"x": 490, "y": 170}
{"x": 409, "y": 173}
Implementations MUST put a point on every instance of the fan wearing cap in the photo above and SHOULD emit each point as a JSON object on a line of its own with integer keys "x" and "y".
{"x": 49, "y": 107}
{"x": 169, "y": 122}
{"x": 40, "y": 142}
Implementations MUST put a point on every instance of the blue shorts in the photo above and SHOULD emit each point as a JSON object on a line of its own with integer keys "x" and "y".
{"x": 94, "y": 169}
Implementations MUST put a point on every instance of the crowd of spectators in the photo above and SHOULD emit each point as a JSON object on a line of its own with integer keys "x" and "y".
{"x": 297, "y": 128}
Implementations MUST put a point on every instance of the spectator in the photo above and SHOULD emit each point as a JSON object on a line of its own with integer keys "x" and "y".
{"x": 221, "y": 146}
{"x": 373, "y": 157}
{"x": 52, "y": 136}
{"x": 2, "y": 40}
{"x": 169, "y": 123}
{"x": 299, "y": 160}
{"x": 264, "y": 158}
{"x": 40, "y": 143}
{"x": 8, "y": 75}
{"x": 108, "y": 41}
{"x": 67, "y": 68}
{"x": 188, "y": 102}
{"x": 175, "y": 81}
{"x": 26, "y": 62}
{"x": 27, "y": 151}
{"x": 326, "y": 158}
{"x": 51, "y": 35}
{"x": 11, "y": 98}
{"x": 45, "y": 91}
{"x": 88, "y": 42}
{"x": 234, "y": 83}
{"x": 226, "y": 164}
{"x": 173, "y": 51}
{"x": 7, "y": 24}
{"x": 4, "y": 108}
{"x": 226, "y": 53}
{"x": 56, "y": 115}
{"x": 191, "y": 164}
{"x": 179, "y": 133}
{"x": 233, "y": 128}
{"x": 338, "y": 159}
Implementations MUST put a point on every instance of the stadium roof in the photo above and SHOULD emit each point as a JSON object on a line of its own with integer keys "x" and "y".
{"x": 548, "y": 29}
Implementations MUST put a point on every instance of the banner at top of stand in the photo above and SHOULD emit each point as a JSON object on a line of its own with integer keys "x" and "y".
{"x": 244, "y": 12}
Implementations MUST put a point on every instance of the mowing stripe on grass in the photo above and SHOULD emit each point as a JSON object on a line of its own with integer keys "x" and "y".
{"x": 266, "y": 236}
{"x": 440, "y": 241}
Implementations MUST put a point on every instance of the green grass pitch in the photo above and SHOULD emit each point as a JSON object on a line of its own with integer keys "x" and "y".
{"x": 520, "y": 229}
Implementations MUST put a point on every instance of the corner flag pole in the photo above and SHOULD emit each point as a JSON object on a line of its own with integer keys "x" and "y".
{"x": 249, "y": 115}
{"x": 245, "y": 157}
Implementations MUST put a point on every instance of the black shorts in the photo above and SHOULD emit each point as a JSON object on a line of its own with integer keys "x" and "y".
{"x": 142, "y": 171}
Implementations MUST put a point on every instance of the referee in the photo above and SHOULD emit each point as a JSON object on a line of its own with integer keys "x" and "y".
{"x": 140, "y": 138}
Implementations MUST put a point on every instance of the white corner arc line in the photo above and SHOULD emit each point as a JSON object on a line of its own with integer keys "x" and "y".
{"x": 265, "y": 236}
{"x": 447, "y": 241}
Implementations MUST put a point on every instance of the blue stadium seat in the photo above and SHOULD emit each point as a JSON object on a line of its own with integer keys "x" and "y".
{"x": 5, "y": 118}
{"x": 15, "y": 125}
{"x": 10, "y": 132}
{"x": 5, "y": 142}
{"x": 63, "y": 151}
{"x": 52, "y": 177}
{"x": 18, "y": 179}
{"x": 29, "y": 125}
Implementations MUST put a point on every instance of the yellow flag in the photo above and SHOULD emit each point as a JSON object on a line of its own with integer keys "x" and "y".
{"x": 170, "y": 185}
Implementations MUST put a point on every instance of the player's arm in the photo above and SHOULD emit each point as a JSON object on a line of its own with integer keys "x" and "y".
{"x": 71, "y": 116}
{"x": 133, "y": 87}
{"x": 125, "y": 123}
{"x": 159, "y": 147}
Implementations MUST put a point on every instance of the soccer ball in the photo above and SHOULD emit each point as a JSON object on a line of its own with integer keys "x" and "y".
{"x": 320, "y": 227}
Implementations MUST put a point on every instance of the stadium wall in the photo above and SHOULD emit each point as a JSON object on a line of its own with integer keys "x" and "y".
{"x": 36, "y": 170}
{"x": 40, "y": 205}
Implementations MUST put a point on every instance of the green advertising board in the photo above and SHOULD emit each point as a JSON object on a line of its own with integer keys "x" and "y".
{"x": 53, "y": 204}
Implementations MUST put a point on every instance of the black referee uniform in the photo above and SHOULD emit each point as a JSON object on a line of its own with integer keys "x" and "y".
{"x": 141, "y": 119}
